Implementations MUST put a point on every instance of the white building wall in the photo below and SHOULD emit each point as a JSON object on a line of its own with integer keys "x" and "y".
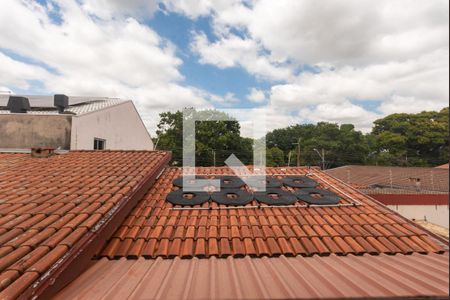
{"x": 120, "y": 125}
{"x": 436, "y": 214}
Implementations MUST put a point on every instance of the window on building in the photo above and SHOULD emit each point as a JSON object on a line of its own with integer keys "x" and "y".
{"x": 99, "y": 144}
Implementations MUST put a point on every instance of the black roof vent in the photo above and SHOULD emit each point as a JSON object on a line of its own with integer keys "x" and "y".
{"x": 18, "y": 104}
{"x": 61, "y": 102}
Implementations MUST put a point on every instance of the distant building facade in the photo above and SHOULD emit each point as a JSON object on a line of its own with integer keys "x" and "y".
{"x": 415, "y": 193}
{"x": 79, "y": 123}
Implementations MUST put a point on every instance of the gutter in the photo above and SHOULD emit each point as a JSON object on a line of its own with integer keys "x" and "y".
{"x": 79, "y": 257}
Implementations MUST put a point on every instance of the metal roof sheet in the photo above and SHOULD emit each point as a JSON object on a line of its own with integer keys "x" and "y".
{"x": 283, "y": 277}
{"x": 77, "y": 105}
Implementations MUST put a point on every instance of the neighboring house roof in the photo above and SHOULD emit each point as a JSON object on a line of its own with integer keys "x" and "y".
{"x": 155, "y": 229}
{"x": 444, "y": 166}
{"x": 77, "y": 105}
{"x": 378, "y": 178}
{"x": 357, "y": 277}
{"x": 56, "y": 210}
{"x": 382, "y": 190}
{"x": 412, "y": 199}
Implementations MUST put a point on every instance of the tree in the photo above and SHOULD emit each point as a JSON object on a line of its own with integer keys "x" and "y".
{"x": 420, "y": 139}
{"x": 342, "y": 144}
{"x": 399, "y": 140}
{"x": 275, "y": 157}
{"x": 213, "y": 139}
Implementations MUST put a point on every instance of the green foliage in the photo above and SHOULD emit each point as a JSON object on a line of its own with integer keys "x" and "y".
{"x": 399, "y": 139}
{"x": 221, "y": 138}
{"x": 342, "y": 144}
{"x": 412, "y": 139}
{"x": 275, "y": 157}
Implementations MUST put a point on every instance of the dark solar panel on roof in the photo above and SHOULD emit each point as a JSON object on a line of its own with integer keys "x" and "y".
{"x": 235, "y": 192}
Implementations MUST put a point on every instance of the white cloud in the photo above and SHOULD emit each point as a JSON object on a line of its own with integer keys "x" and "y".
{"x": 84, "y": 55}
{"x": 231, "y": 98}
{"x": 236, "y": 51}
{"x": 256, "y": 95}
{"x": 107, "y": 9}
{"x": 192, "y": 9}
{"x": 393, "y": 52}
{"x": 422, "y": 79}
{"x": 121, "y": 50}
{"x": 410, "y": 86}
{"x": 399, "y": 104}
{"x": 255, "y": 122}
{"x": 354, "y": 32}
{"x": 341, "y": 113}
{"x": 18, "y": 74}
{"x": 225, "y": 12}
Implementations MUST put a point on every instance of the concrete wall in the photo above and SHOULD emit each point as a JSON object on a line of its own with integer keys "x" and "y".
{"x": 436, "y": 214}
{"x": 120, "y": 125}
{"x": 26, "y": 130}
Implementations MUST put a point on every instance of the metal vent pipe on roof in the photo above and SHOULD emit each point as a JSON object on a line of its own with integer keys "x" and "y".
{"x": 18, "y": 104}
{"x": 61, "y": 102}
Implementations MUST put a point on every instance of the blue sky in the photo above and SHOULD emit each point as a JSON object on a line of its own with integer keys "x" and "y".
{"x": 178, "y": 29}
{"x": 292, "y": 60}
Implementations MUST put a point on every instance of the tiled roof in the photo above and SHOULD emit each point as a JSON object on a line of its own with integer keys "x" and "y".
{"x": 444, "y": 166}
{"x": 155, "y": 229}
{"x": 391, "y": 178}
{"x": 56, "y": 214}
{"x": 53, "y": 207}
{"x": 334, "y": 277}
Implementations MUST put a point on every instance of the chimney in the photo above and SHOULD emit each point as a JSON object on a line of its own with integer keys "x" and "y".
{"x": 42, "y": 152}
{"x": 18, "y": 104}
{"x": 61, "y": 102}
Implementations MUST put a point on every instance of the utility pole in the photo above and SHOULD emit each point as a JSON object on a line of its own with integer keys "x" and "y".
{"x": 323, "y": 159}
{"x": 156, "y": 144}
{"x": 214, "y": 157}
{"x": 432, "y": 180}
{"x": 390, "y": 177}
{"x": 298, "y": 150}
{"x": 322, "y": 156}
{"x": 289, "y": 158}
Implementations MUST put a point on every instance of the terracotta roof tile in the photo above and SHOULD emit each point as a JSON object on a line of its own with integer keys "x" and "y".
{"x": 272, "y": 231}
{"x": 76, "y": 197}
{"x": 174, "y": 248}
{"x": 380, "y": 179}
{"x": 49, "y": 204}
{"x": 18, "y": 284}
{"x": 13, "y": 256}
